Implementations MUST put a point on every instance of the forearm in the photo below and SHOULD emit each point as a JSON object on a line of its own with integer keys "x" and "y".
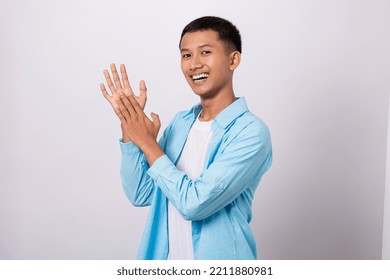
{"x": 151, "y": 150}
{"x": 137, "y": 185}
{"x": 237, "y": 169}
{"x": 201, "y": 197}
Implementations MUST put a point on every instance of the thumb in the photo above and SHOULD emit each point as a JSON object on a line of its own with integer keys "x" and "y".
{"x": 156, "y": 121}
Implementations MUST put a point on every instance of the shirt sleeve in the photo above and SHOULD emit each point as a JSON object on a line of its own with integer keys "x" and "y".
{"x": 240, "y": 164}
{"x": 136, "y": 183}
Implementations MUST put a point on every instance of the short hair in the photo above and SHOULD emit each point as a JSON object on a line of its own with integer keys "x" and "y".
{"x": 227, "y": 31}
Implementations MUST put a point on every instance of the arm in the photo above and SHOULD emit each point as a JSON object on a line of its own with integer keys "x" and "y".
{"x": 239, "y": 166}
{"x": 136, "y": 183}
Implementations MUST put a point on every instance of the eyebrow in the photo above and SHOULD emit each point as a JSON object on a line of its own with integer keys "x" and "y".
{"x": 199, "y": 47}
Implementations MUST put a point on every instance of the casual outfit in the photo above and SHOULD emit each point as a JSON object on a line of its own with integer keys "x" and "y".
{"x": 214, "y": 196}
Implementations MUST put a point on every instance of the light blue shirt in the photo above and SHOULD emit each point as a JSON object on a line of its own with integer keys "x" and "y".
{"x": 219, "y": 202}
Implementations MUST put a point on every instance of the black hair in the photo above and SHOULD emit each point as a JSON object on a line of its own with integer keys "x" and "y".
{"x": 227, "y": 31}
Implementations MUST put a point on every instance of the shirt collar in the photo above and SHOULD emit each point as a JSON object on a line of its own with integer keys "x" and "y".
{"x": 227, "y": 115}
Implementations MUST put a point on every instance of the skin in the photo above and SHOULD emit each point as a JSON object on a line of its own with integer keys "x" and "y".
{"x": 117, "y": 89}
{"x": 201, "y": 52}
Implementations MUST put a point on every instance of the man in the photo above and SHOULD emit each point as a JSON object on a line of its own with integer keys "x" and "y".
{"x": 200, "y": 178}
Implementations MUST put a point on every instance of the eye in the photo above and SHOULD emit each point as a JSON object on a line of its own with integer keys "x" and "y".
{"x": 185, "y": 55}
{"x": 206, "y": 52}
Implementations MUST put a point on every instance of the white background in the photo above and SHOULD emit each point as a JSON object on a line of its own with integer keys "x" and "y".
{"x": 317, "y": 72}
{"x": 386, "y": 217}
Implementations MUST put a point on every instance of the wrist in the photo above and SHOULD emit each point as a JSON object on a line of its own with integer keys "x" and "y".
{"x": 125, "y": 137}
{"x": 151, "y": 150}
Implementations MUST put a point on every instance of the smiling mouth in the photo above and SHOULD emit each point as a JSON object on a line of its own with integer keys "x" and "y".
{"x": 200, "y": 77}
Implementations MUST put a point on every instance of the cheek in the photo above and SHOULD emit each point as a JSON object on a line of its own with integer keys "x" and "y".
{"x": 223, "y": 69}
{"x": 220, "y": 63}
{"x": 183, "y": 66}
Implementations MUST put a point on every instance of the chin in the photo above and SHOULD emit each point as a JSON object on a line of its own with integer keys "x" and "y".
{"x": 203, "y": 95}
{"x": 199, "y": 90}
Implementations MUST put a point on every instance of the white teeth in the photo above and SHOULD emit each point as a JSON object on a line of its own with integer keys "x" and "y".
{"x": 200, "y": 76}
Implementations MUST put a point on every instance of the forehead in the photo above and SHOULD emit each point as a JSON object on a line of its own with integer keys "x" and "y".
{"x": 193, "y": 40}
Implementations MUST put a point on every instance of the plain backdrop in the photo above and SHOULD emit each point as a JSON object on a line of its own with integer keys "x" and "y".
{"x": 317, "y": 72}
{"x": 386, "y": 217}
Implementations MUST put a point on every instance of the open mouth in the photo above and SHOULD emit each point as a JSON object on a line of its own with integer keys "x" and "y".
{"x": 200, "y": 77}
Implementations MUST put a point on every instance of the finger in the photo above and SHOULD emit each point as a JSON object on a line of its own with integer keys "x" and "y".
{"x": 120, "y": 115}
{"x": 135, "y": 104}
{"x": 105, "y": 93}
{"x": 142, "y": 89}
{"x": 115, "y": 75}
{"x": 109, "y": 81}
{"x": 109, "y": 97}
{"x": 125, "y": 80}
{"x": 128, "y": 105}
{"x": 156, "y": 121}
{"x": 123, "y": 110}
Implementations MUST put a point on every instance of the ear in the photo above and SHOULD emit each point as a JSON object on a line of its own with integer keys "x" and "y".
{"x": 235, "y": 59}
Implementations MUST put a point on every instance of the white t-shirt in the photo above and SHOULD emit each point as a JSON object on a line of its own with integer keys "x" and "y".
{"x": 191, "y": 162}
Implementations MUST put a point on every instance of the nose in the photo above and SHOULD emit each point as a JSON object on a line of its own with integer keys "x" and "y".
{"x": 196, "y": 63}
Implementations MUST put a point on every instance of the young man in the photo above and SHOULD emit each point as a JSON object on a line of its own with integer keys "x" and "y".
{"x": 200, "y": 178}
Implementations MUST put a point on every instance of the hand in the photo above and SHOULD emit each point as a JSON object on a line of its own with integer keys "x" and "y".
{"x": 139, "y": 128}
{"x": 117, "y": 89}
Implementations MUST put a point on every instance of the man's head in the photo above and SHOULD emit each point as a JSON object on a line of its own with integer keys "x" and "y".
{"x": 227, "y": 32}
{"x": 210, "y": 50}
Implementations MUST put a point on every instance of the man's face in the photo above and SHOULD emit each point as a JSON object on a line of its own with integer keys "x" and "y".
{"x": 205, "y": 63}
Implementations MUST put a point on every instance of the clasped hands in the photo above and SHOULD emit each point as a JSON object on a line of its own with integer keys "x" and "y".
{"x": 136, "y": 126}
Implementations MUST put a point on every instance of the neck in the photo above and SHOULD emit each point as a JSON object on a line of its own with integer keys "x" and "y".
{"x": 212, "y": 106}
